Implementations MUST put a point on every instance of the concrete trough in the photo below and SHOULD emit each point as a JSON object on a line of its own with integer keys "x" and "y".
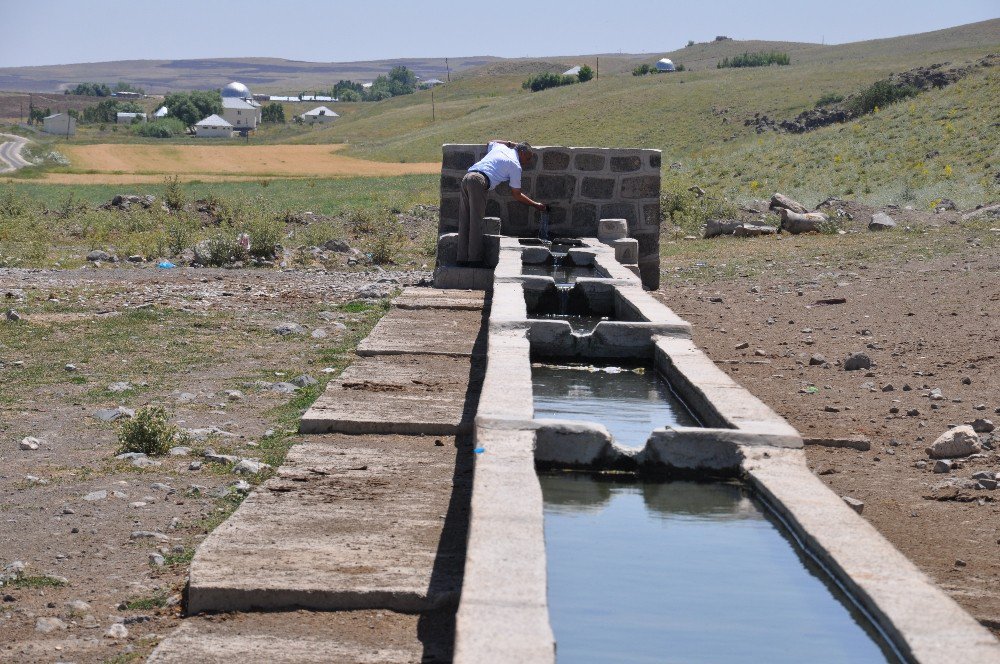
{"x": 742, "y": 437}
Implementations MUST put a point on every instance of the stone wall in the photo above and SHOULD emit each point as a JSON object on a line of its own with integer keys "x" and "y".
{"x": 582, "y": 185}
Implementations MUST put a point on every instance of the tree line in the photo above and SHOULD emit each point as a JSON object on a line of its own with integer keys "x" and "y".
{"x": 102, "y": 89}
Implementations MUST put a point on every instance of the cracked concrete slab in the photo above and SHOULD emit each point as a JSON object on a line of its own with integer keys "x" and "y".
{"x": 350, "y": 522}
{"x": 404, "y": 394}
{"x": 306, "y": 637}
{"x": 427, "y": 331}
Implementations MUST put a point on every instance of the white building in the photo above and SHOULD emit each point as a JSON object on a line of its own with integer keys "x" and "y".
{"x": 129, "y": 118}
{"x": 431, "y": 83}
{"x": 161, "y": 112}
{"x": 213, "y": 127}
{"x": 239, "y": 108}
{"x": 572, "y": 71}
{"x": 319, "y": 114}
{"x": 666, "y": 65}
{"x": 60, "y": 124}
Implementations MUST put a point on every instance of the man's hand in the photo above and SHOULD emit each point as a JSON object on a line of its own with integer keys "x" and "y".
{"x": 520, "y": 197}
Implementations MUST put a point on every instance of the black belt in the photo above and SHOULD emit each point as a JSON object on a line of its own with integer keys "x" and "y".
{"x": 487, "y": 177}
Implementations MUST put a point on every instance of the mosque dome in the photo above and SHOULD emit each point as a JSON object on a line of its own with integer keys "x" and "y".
{"x": 236, "y": 89}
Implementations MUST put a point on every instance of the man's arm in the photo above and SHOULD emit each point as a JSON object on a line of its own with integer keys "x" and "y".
{"x": 519, "y": 196}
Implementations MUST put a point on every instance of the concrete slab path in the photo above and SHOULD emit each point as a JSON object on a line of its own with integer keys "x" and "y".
{"x": 416, "y": 297}
{"x": 404, "y": 394}
{"x": 427, "y": 331}
{"x": 350, "y": 522}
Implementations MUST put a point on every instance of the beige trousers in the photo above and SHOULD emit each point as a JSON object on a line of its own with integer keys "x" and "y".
{"x": 471, "y": 210}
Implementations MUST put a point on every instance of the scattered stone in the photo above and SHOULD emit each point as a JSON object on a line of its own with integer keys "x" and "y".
{"x": 856, "y": 361}
{"x": 285, "y": 329}
{"x": 234, "y": 395}
{"x": 117, "y": 631}
{"x": 241, "y": 487}
{"x": 157, "y": 560}
{"x": 855, "y": 504}
{"x": 857, "y": 442}
{"x": 319, "y": 333}
{"x": 743, "y": 346}
{"x": 283, "y": 388}
{"x": 70, "y": 368}
{"x": 780, "y": 201}
{"x": 194, "y": 465}
{"x": 374, "y": 291}
{"x": 13, "y": 316}
{"x": 966, "y": 381}
{"x": 935, "y": 394}
{"x": 96, "y": 495}
{"x": 340, "y": 246}
{"x": 920, "y": 464}
{"x": 888, "y": 388}
{"x": 817, "y": 360}
{"x": 47, "y": 625}
{"x": 98, "y": 256}
{"x": 831, "y": 409}
{"x": 160, "y": 486}
{"x": 881, "y": 222}
{"x": 211, "y": 455}
{"x": 960, "y": 563}
{"x": 958, "y": 442}
{"x": 32, "y": 443}
{"x": 135, "y": 258}
{"x": 987, "y": 483}
{"x": 305, "y": 380}
{"x": 114, "y": 414}
{"x": 249, "y": 467}
{"x": 796, "y": 223}
{"x": 78, "y": 606}
{"x": 119, "y": 387}
{"x": 942, "y": 466}
{"x": 913, "y": 412}
{"x": 980, "y": 425}
{"x": 180, "y": 450}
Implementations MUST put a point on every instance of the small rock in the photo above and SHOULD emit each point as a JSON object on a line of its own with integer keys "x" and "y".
{"x": 13, "y": 316}
{"x": 114, "y": 414}
{"x": 966, "y": 381}
{"x": 148, "y": 534}
{"x": 119, "y": 387}
{"x": 99, "y": 256}
{"x": 78, "y": 606}
{"x": 881, "y": 222}
{"x": 987, "y": 483}
{"x": 958, "y": 442}
{"x": 743, "y": 346}
{"x": 156, "y": 560}
{"x": 47, "y": 625}
{"x": 283, "y": 388}
{"x": 319, "y": 333}
{"x": 305, "y": 380}
{"x": 194, "y": 465}
{"x": 936, "y": 394}
{"x": 888, "y": 388}
{"x": 96, "y": 495}
{"x": 70, "y": 368}
{"x": 817, "y": 360}
{"x": 234, "y": 395}
{"x": 117, "y": 631}
{"x": 960, "y": 563}
{"x": 855, "y": 504}
{"x": 285, "y": 329}
{"x": 942, "y": 466}
{"x": 30, "y": 443}
{"x": 856, "y": 361}
{"x": 249, "y": 466}
{"x": 212, "y": 455}
{"x": 180, "y": 450}
{"x": 980, "y": 425}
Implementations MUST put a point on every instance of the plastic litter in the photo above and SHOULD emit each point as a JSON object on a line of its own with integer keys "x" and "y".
{"x": 479, "y": 450}
{"x": 166, "y": 265}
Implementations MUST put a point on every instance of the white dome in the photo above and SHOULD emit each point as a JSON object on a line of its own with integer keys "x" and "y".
{"x": 665, "y": 65}
{"x": 236, "y": 89}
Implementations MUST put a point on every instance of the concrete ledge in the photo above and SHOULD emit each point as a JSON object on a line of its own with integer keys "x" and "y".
{"x": 506, "y": 393}
{"x": 417, "y": 297}
{"x": 425, "y": 331}
{"x": 572, "y": 444}
{"x": 464, "y": 278}
{"x": 609, "y": 339}
{"x": 921, "y": 619}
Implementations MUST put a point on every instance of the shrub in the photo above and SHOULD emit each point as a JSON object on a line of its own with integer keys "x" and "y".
{"x": 161, "y": 128}
{"x": 173, "y": 194}
{"x": 223, "y": 248}
{"x": 179, "y": 233}
{"x": 829, "y": 99}
{"x": 547, "y": 80}
{"x": 880, "y": 94}
{"x": 148, "y": 432}
{"x": 265, "y": 237}
{"x": 385, "y": 241}
{"x": 11, "y": 205}
{"x": 643, "y": 69}
{"x": 586, "y": 73}
{"x": 273, "y": 113}
{"x": 759, "y": 59}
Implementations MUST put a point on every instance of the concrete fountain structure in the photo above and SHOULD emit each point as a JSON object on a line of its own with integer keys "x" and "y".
{"x": 477, "y": 379}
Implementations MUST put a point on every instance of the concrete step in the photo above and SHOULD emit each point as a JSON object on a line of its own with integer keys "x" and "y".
{"x": 427, "y": 331}
{"x": 403, "y": 394}
{"x": 306, "y": 637}
{"x": 350, "y": 522}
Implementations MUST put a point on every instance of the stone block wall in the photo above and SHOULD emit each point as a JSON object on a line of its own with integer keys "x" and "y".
{"x": 582, "y": 186}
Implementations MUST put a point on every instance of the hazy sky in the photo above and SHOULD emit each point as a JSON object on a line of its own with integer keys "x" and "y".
{"x": 39, "y": 32}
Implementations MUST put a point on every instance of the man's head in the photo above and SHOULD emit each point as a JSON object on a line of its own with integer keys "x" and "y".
{"x": 525, "y": 154}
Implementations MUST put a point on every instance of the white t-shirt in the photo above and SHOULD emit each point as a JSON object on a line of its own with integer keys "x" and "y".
{"x": 500, "y": 165}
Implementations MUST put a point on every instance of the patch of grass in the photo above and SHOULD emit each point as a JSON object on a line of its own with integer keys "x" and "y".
{"x": 179, "y": 558}
{"x": 35, "y": 581}
{"x": 156, "y": 601}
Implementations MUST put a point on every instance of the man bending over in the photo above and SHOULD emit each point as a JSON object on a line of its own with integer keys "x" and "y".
{"x": 503, "y": 163}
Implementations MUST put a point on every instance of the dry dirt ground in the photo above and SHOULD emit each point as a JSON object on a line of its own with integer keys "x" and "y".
{"x": 228, "y": 160}
{"x": 925, "y": 306}
{"x": 84, "y": 523}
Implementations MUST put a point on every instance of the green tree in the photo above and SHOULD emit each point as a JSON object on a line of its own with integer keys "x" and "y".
{"x": 585, "y": 74}
{"x": 348, "y": 95}
{"x": 193, "y": 107}
{"x": 405, "y": 80}
{"x": 273, "y": 113}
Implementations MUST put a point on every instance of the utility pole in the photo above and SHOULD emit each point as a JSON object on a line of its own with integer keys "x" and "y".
{"x": 598, "y": 69}
{"x": 433, "y": 113}
{"x": 448, "y": 68}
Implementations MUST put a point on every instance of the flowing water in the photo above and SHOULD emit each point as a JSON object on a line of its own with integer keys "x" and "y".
{"x": 630, "y": 400}
{"x": 686, "y": 572}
